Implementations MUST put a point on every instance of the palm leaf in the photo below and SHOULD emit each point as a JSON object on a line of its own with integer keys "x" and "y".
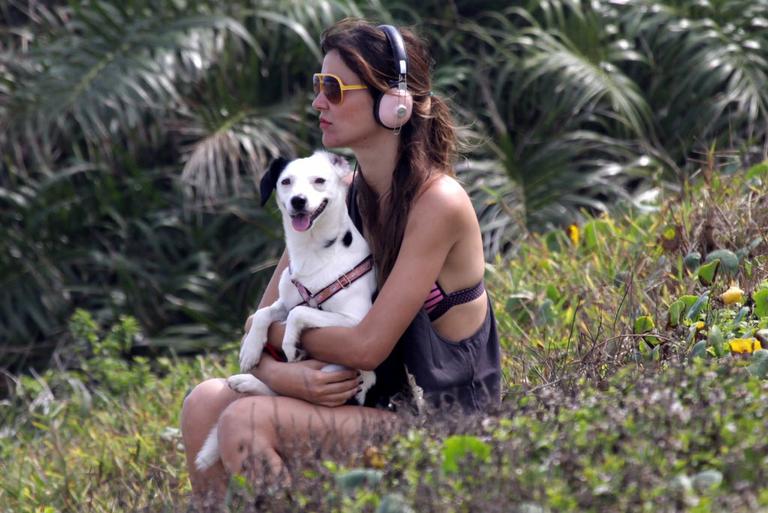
{"x": 110, "y": 67}
{"x": 709, "y": 71}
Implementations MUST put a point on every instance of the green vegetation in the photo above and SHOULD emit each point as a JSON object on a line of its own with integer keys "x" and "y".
{"x": 616, "y": 160}
{"x": 601, "y": 412}
{"x": 132, "y": 133}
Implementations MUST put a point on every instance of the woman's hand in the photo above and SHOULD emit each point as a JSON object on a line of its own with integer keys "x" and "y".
{"x": 304, "y": 380}
{"x": 324, "y": 388}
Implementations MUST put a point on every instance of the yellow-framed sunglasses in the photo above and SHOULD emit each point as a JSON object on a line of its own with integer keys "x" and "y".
{"x": 332, "y": 87}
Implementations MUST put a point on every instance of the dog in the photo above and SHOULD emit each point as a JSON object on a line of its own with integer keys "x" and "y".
{"x": 330, "y": 280}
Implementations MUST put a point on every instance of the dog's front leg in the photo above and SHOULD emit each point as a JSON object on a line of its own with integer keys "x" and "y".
{"x": 303, "y": 317}
{"x": 253, "y": 344}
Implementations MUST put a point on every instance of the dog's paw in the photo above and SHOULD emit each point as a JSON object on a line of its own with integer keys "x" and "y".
{"x": 248, "y": 384}
{"x": 369, "y": 379}
{"x": 250, "y": 355}
{"x": 290, "y": 351}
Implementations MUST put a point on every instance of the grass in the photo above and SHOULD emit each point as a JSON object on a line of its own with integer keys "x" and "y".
{"x": 615, "y": 398}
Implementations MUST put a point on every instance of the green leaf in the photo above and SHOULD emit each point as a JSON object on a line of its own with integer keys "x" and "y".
{"x": 761, "y": 303}
{"x": 699, "y": 349}
{"x": 759, "y": 365}
{"x": 643, "y": 324}
{"x": 695, "y": 310}
{"x": 394, "y": 503}
{"x": 519, "y": 305}
{"x": 552, "y": 293}
{"x": 708, "y": 272}
{"x": 729, "y": 262}
{"x": 757, "y": 170}
{"x": 689, "y": 300}
{"x": 743, "y": 311}
{"x": 595, "y": 232}
{"x": 358, "y": 478}
{"x": 676, "y": 310}
{"x": 458, "y": 447}
{"x": 715, "y": 340}
{"x": 692, "y": 260}
{"x": 707, "y": 480}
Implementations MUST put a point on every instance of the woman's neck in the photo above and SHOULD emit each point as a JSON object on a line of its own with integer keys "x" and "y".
{"x": 377, "y": 162}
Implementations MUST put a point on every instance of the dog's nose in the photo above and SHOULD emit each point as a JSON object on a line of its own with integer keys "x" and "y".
{"x": 299, "y": 202}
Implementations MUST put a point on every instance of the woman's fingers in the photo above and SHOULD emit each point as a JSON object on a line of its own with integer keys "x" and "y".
{"x": 312, "y": 364}
{"x": 338, "y": 376}
{"x": 338, "y": 399}
{"x": 342, "y": 387}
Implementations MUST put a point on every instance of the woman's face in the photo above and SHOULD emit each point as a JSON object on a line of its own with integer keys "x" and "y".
{"x": 349, "y": 124}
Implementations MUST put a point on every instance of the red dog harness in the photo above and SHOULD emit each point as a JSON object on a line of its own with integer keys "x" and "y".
{"x": 342, "y": 282}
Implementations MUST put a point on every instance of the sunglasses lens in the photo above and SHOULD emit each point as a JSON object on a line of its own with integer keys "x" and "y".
{"x": 332, "y": 89}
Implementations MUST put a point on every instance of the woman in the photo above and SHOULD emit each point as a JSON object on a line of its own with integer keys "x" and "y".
{"x": 423, "y": 231}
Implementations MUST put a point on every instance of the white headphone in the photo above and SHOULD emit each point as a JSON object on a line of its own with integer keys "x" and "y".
{"x": 392, "y": 108}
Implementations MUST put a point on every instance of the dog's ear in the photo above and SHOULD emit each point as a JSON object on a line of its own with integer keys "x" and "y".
{"x": 340, "y": 165}
{"x": 269, "y": 179}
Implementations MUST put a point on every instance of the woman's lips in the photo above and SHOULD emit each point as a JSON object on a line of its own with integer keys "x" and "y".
{"x": 324, "y": 123}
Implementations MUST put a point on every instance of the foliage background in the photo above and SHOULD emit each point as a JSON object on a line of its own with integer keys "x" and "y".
{"x": 132, "y": 133}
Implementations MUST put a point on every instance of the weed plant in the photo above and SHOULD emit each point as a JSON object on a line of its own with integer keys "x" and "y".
{"x": 628, "y": 387}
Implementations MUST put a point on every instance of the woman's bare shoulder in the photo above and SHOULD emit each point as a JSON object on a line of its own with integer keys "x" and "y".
{"x": 443, "y": 195}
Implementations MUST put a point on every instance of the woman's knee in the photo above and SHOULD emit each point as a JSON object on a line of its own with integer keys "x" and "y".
{"x": 247, "y": 415}
{"x": 246, "y": 428}
{"x": 203, "y": 394}
{"x": 203, "y": 405}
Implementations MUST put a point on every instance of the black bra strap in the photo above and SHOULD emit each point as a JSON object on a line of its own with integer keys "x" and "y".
{"x": 458, "y": 297}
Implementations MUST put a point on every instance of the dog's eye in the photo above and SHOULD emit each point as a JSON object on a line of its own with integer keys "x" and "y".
{"x": 319, "y": 181}
{"x": 285, "y": 181}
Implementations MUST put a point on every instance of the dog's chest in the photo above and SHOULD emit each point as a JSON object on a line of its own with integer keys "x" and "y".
{"x": 339, "y": 281}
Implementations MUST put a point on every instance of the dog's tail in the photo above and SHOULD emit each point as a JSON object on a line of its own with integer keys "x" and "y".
{"x": 209, "y": 454}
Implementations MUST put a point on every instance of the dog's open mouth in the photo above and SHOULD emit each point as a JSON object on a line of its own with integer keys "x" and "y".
{"x": 302, "y": 222}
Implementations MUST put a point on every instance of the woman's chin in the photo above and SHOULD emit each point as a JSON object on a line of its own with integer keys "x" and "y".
{"x": 331, "y": 142}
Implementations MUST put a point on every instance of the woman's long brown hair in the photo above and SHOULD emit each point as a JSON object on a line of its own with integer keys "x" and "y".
{"x": 428, "y": 139}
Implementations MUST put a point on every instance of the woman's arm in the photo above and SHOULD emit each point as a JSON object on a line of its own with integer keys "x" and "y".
{"x": 305, "y": 380}
{"x": 439, "y": 218}
{"x": 301, "y": 380}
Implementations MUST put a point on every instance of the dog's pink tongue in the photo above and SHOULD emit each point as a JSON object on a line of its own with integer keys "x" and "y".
{"x": 300, "y": 222}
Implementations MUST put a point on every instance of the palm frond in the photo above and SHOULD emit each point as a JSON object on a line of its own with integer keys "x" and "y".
{"x": 249, "y": 109}
{"x": 709, "y": 71}
{"x": 109, "y": 68}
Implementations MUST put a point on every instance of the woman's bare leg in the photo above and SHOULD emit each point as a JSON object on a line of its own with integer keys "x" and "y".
{"x": 201, "y": 411}
{"x": 257, "y": 430}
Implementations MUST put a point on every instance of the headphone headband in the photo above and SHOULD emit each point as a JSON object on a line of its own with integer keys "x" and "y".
{"x": 398, "y": 50}
{"x": 392, "y": 108}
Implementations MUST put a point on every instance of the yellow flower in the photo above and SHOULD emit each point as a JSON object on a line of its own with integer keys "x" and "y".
{"x": 744, "y": 345}
{"x": 574, "y": 234}
{"x": 733, "y": 295}
{"x": 373, "y": 457}
{"x": 699, "y": 325}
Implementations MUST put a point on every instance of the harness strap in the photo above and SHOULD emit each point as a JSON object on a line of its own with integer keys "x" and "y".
{"x": 342, "y": 282}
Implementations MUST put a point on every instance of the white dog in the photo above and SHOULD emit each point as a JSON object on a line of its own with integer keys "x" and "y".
{"x": 329, "y": 281}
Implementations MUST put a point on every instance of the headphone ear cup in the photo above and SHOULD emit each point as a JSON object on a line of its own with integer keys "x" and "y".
{"x": 393, "y": 108}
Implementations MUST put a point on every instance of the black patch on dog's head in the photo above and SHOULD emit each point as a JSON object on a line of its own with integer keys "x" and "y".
{"x": 329, "y": 243}
{"x": 347, "y": 240}
{"x": 269, "y": 179}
